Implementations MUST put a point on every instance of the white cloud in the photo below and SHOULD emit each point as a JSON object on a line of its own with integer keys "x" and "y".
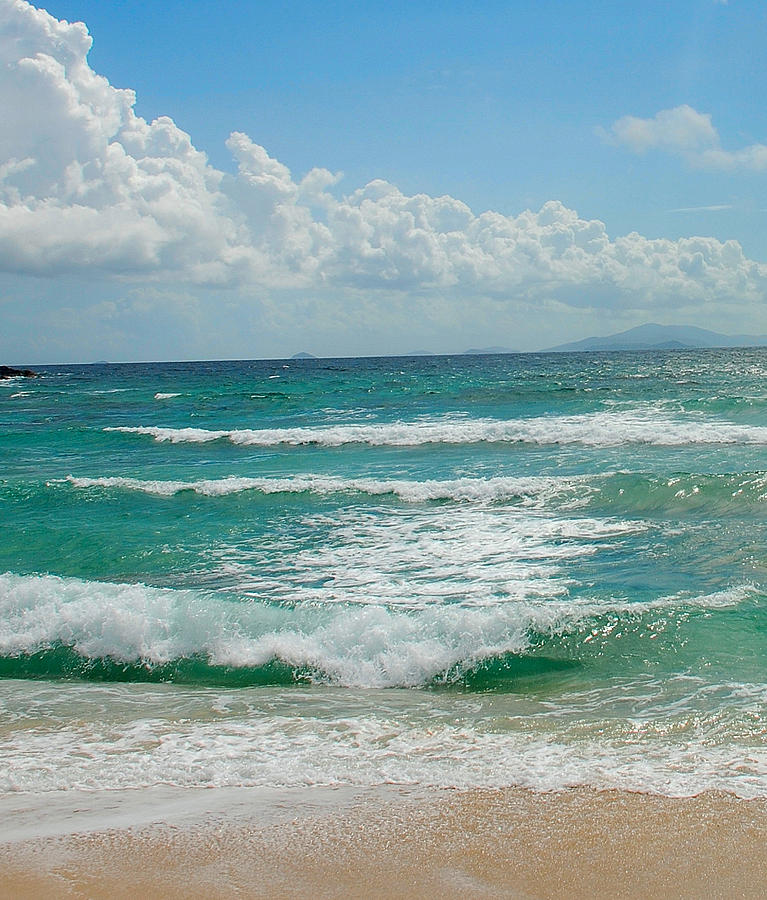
{"x": 685, "y": 132}
{"x": 87, "y": 183}
{"x": 88, "y": 187}
{"x": 680, "y": 130}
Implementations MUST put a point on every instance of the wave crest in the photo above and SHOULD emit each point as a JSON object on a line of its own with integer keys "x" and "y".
{"x": 603, "y": 429}
{"x": 531, "y": 488}
{"x": 170, "y": 631}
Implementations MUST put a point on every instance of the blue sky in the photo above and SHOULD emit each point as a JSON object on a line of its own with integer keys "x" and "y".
{"x": 646, "y": 118}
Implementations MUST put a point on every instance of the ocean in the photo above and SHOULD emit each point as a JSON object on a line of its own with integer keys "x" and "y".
{"x": 538, "y": 570}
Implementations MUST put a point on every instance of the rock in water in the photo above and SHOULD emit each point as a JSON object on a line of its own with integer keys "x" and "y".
{"x": 8, "y": 372}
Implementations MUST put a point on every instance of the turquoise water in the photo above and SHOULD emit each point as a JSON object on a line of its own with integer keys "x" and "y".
{"x": 538, "y": 570}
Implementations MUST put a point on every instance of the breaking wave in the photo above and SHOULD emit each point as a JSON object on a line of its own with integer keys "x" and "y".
{"x": 530, "y": 489}
{"x": 602, "y": 429}
{"x": 66, "y": 627}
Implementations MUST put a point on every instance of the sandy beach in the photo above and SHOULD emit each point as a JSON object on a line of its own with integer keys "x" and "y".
{"x": 393, "y": 843}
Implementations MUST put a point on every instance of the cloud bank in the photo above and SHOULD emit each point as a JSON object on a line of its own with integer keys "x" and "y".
{"x": 88, "y": 188}
{"x": 685, "y": 132}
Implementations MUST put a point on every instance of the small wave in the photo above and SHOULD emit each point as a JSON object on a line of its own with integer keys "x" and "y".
{"x": 671, "y": 736}
{"x": 615, "y": 493}
{"x": 528, "y": 489}
{"x": 203, "y": 739}
{"x": 710, "y": 494}
{"x": 162, "y": 396}
{"x": 605, "y": 429}
{"x": 116, "y": 629}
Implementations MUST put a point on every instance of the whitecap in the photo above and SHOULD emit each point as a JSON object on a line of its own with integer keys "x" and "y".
{"x": 603, "y": 429}
{"x": 532, "y": 490}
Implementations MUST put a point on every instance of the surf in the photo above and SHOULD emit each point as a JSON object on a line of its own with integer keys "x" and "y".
{"x": 52, "y": 627}
{"x": 598, "y": 429}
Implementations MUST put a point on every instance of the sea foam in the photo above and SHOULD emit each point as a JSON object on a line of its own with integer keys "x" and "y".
{"x": 602, "y": 429}
{"x": 409, "y": 555}
{"x": 204, "y": 739}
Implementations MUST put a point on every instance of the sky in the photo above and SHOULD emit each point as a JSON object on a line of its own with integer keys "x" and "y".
{"x": 235, "y": 179}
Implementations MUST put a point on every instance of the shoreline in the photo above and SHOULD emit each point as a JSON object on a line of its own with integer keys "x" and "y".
{"x": 384, "y": 842}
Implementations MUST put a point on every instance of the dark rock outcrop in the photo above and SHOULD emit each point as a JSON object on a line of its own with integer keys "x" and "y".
{"x": 8, "y": 372}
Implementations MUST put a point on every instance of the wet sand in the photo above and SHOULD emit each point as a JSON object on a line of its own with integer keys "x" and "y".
{"x": 406, "y": 843}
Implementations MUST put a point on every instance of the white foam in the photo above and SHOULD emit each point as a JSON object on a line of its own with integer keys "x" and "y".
{"x": 411, "y": 557}
{"x": 603, "y": 429}
{"x": 94, "y": 737}
{"x": 532, "y": 489}
{"x": 165, "y": 396}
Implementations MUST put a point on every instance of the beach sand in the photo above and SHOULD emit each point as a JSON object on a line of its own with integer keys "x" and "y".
{"x": 393, "y": 842}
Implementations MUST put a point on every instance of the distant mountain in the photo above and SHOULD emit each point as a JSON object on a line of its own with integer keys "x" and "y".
{"x": 663, "y": 337}
{"x": 487, "y": 351}
{"x": 303, "y": 355}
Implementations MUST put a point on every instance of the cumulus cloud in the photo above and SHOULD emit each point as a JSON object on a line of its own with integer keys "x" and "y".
{"x": 685, "y": 132}
{"x": 87, "y": 186}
